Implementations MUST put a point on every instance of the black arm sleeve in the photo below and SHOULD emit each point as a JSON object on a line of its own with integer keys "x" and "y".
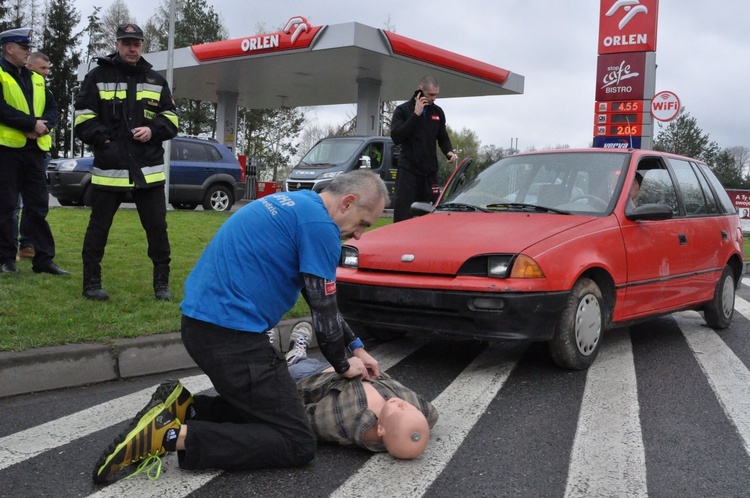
{"x": 331, "y": 330}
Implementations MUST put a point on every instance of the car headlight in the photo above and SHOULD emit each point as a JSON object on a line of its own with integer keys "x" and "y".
{"x": 68, "y": 165}
{"x": 349, "y": 257}
{"x": 502, "y": 266}
{"x": 525, "y": 267}
{"x": 332, "y": 174}
{"x": 497, "y": 266}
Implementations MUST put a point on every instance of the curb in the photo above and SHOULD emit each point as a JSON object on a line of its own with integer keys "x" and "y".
{"x": 77, "y": 365}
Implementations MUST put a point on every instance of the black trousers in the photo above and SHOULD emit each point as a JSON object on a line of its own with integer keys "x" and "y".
{"x": 258, "y": 419}
{"x": 152, "y": 211}
{"x": 22, "y": 171}
{"x": 411, "y": 188}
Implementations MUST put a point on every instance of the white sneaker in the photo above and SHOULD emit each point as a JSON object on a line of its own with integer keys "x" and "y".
{"x": 271, "y": 333}
{"x": 299, "y": 340}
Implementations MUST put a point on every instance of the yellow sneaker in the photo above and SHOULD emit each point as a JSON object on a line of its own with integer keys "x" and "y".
{"x": 143, "y": 439}
{"x": 177, "y": 399}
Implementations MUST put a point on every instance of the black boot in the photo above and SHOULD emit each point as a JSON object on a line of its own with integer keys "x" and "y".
{"x": 161, "y": 283}
{"x": 92, "y": 282}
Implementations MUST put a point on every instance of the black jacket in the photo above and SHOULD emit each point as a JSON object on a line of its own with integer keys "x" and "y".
{"x": 417, "y": 136}
{"x": 115, "y": 98}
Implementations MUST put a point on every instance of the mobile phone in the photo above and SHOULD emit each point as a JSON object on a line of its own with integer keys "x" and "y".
{"x": 133, "y": 131}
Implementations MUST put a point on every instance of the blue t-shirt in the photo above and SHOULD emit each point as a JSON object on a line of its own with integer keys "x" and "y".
{"x": 250, "y": 274}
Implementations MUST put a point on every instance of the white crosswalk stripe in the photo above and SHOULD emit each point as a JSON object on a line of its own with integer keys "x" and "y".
{"x": 727, "y": 375}
{"x": 460, "y": 406}
{"x": 608, "y": 456}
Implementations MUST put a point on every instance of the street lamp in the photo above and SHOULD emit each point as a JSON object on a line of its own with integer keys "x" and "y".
{"x": 74, "y": 91}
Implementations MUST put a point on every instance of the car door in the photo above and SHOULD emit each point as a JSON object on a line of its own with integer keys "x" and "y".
{"x": 659, "y": 252}
{"x": 190, "y": 166}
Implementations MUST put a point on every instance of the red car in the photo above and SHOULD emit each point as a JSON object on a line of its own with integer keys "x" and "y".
{"x": 553, "y": 246}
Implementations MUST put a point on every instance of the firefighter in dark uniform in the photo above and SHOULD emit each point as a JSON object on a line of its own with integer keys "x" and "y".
{"x": 27, "y": 114}
{"x": 125, "y": 111}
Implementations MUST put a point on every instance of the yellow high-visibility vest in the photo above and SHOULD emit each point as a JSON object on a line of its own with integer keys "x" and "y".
{"x": 13, "y": 137}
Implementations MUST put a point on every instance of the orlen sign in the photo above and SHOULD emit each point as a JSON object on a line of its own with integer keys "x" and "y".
{"x": 627, "y": 26}
{"x": 620, "y": 76}
{"x": 297, "y": 34}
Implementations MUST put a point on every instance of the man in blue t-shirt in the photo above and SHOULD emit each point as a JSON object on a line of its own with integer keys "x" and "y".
{"x": 249, "y": 275}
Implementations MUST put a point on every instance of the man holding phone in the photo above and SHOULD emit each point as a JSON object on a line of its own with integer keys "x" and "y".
{"x": 416, "y": 125}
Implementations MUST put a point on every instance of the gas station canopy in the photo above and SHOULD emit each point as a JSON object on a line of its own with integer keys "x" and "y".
{"x": 305, "y": 65}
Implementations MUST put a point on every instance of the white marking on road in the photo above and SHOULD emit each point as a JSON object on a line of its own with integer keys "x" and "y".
{"x": 727, "y": 375}
{"x": 460, "y": 406}
{"x": 746, "y": 281}
{"x": 608, "y": 457}
{"x": 175, "y": 482}
{"x": 742, "y": 306}
{"x": 31, "y": 442}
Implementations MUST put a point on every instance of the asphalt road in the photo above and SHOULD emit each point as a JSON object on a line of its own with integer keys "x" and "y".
{"x": 664, "y": 411}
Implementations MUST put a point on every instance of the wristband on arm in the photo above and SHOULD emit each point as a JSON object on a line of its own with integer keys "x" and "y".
{"x": 356, "y": 343}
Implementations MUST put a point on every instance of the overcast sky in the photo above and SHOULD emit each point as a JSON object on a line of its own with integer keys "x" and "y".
{"x": 703, "y": 55}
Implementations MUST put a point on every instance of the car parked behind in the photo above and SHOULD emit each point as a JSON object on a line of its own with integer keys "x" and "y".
{"x": 551, "y": 246}
{"x": 201, "y": 172}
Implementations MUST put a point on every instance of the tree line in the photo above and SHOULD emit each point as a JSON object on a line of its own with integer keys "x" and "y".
{"x": 271, "y": 136}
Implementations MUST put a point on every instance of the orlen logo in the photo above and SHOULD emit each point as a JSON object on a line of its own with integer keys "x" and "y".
{"x": 627, "y": 26}
{"x": 294, "y": 27}
{"x": 631, "y": 8}
{"x": 297, "y": 34}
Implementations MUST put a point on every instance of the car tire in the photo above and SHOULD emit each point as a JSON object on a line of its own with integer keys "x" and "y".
{"x": 218, "y": 198}
{"x": 184, "y": 206}
{"x": 579, "y": 329}
{"x": 384, "y": 335}
{"x": 719, "y": 312}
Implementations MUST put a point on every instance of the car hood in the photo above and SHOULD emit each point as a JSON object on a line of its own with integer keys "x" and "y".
{"x": 439, "y": 243}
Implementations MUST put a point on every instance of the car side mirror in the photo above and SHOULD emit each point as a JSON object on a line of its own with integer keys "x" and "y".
{"x": 365, "y": 162}
{"x": 648, "y": 212}
{"x": 421, "y": 208}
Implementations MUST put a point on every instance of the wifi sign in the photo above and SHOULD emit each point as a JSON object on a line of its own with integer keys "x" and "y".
{"x": 665, "y": 106}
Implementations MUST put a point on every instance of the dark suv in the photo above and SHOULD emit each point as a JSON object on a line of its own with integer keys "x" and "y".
{"x": 201, "y": 172}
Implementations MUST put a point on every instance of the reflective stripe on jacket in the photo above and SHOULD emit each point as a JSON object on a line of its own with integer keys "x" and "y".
{"x": 14, "y": 96}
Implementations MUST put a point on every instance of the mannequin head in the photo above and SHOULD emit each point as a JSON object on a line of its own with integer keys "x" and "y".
{"x": 404, "y": 429}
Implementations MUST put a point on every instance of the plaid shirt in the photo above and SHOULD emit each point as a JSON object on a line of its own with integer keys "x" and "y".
{"x": 337, "y": 407}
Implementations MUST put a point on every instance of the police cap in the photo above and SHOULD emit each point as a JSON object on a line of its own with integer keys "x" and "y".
{"x": 21, "y": 36}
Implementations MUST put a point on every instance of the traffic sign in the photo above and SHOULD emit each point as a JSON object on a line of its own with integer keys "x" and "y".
{"x": 665, "y": 106}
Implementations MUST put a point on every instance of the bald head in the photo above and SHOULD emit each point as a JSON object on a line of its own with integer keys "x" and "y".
{"x": 405, "y": 432}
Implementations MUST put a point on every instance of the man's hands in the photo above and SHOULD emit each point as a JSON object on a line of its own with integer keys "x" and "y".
{"x": 419, "y": 102}
{"x": 142, "y": 134}
{"x": 452, "y": 157}
{"x": 40, "y": 129}
{"x": 362, "y": 365}
{"x": 371, "y": 364}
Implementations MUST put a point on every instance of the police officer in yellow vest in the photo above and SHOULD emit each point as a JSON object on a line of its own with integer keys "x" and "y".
{"x": 125, "y": 111}
{"x": 27, "y": 114}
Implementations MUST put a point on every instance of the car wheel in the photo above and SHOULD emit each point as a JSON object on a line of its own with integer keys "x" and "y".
{"x": 187, "y": 207}
{"x": 718, "y": 313}
{"x": 384, "y": 335}
{"x": 579, "y": 329}
{"x": 218, "y": 198}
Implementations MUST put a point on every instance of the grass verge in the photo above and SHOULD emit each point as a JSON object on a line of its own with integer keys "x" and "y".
{"x": 41, "y": 310}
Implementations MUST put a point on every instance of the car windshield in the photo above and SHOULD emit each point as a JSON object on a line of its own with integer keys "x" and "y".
{"x": 565, "y": 182}
{"x": 330, "y": 152}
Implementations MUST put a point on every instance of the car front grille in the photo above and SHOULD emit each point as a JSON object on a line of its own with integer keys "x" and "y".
{"x": 292, "y": 185}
